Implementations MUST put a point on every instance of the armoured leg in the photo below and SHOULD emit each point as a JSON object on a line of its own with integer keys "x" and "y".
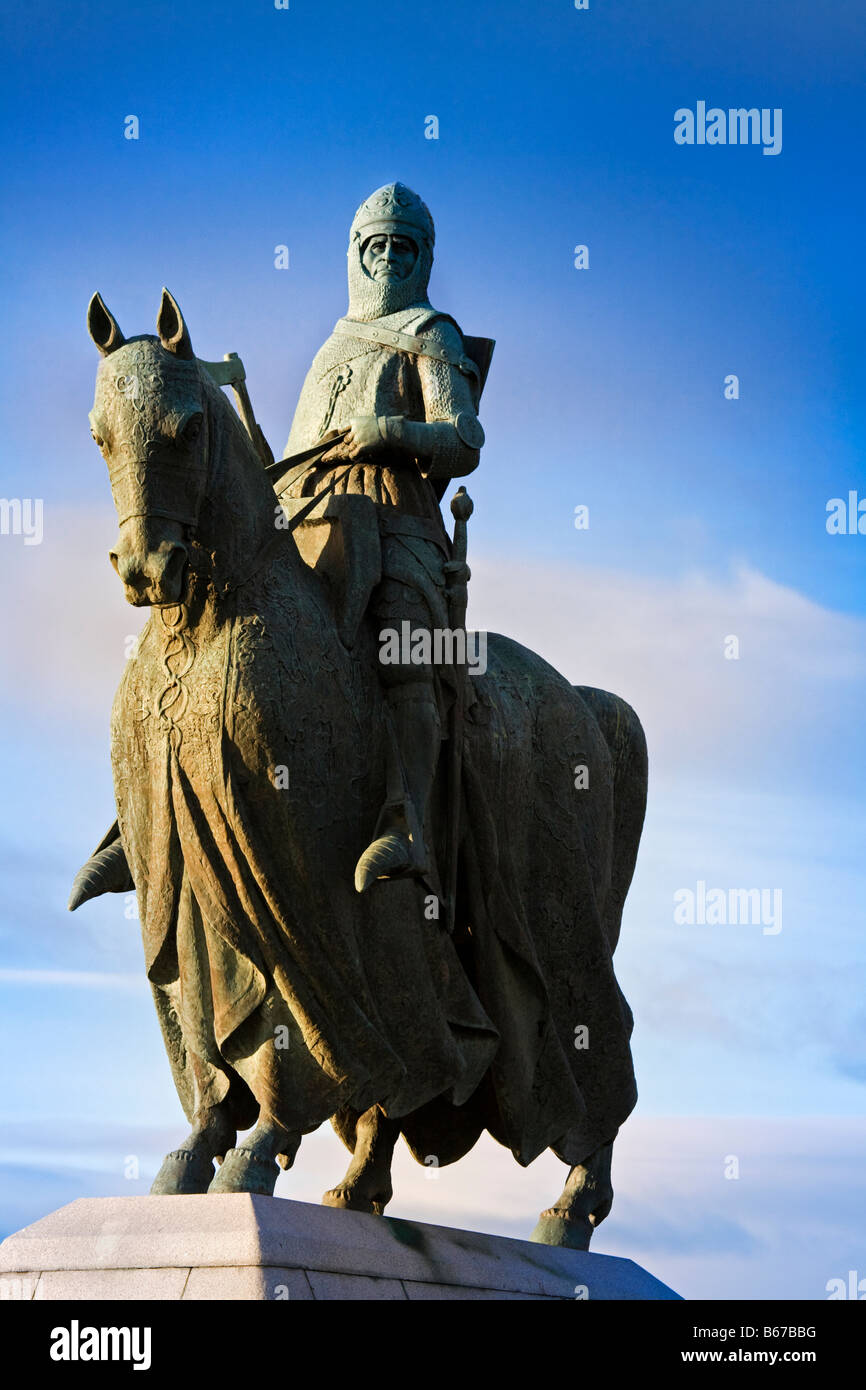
{"x": 398, "y": 845}
{"x": 584, "y": 1203}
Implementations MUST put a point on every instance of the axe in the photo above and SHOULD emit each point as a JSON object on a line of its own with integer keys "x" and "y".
{"x": 230, "y": 372}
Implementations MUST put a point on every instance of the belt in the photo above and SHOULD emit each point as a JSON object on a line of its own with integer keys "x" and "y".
{"x": 406, "y": 342}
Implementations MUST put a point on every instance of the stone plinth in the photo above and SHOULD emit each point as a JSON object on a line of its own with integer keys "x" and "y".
{"x": 248, "y": 1247}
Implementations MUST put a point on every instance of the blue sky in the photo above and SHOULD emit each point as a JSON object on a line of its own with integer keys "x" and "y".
{"x": 555, "y": 128}
{"x": 707, "y": 516}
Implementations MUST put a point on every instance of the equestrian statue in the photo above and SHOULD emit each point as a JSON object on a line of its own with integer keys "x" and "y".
{"x": 379, "y": 883}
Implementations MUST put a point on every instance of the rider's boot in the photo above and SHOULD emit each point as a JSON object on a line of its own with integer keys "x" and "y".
{"x": 106, "y": 871}
{"x": 398, "y": 845}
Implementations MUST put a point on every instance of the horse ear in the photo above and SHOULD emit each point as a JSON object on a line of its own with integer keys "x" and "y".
{"x": 102, "y": 326}
{"x": 173, "y": 332}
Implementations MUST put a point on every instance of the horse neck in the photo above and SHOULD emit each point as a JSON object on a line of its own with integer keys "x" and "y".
{"x": 237, "y": 520}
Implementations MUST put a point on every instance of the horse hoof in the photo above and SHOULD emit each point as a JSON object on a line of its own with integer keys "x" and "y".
{"x": 555, "y": 1229}
{"x": 245, "y": 1171}
{"x": 386, "y": 857}
{"x": 184, "y": 1173}
{"x": 348, "y": 1198}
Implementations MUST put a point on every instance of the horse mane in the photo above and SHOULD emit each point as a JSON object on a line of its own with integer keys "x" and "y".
{"x": 239, "y": 490}
{"x": 218, "y": 402}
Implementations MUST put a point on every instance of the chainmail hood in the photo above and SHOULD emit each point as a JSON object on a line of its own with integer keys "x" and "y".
{"x": 393, "y": 209}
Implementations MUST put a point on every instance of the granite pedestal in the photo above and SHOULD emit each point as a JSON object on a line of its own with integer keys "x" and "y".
{"x": 248, "y": 1247}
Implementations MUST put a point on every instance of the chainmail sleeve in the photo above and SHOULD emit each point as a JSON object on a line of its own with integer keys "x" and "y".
{"x": 448, "y": 444}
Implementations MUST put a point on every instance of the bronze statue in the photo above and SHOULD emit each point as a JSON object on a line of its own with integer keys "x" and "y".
{"x": 283, "y": 802}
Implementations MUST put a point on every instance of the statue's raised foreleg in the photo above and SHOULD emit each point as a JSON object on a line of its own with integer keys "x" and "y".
{"x": 367, "y": 1184}
{"x": 583, "y": 1204}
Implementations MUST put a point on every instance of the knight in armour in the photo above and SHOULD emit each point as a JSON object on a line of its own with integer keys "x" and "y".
{"x": 397, "y": 375}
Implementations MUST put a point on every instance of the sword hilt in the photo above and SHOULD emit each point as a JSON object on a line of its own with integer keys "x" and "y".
{"x": 462, "y": 508}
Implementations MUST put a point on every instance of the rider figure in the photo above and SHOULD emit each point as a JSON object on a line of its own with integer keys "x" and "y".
{"x": 396, "y": 373}
{"x": 395, "y": 380}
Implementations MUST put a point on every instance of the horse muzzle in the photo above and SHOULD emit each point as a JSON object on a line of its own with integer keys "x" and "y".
{"x": 152, "y": 569}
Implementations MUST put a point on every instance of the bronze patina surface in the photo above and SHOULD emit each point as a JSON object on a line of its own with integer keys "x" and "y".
{"x": 284, "y": 797}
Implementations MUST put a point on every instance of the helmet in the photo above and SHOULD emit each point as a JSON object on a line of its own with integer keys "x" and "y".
{"x": 393, "y": 210}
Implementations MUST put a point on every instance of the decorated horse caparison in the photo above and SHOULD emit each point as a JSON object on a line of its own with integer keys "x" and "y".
{"x": 250, "y": 750}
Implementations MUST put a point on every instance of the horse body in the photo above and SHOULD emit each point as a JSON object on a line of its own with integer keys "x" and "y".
{"x": 249, "y": 753}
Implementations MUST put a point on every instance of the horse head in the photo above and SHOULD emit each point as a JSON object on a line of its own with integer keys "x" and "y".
{"x": 150, "y": 421}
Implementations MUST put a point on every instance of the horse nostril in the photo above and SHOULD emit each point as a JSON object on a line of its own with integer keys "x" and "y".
{"x": 121, "y": 564}
{"x": 155, "y": 574}
{"x": 175, "y": 564}
{"x": 125, "y": 567}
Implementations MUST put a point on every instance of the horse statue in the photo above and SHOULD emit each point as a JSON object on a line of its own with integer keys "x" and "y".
{"x": 249, "y": 759}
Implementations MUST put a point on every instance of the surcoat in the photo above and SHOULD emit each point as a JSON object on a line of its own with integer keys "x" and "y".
{"x": 357, "y": 377}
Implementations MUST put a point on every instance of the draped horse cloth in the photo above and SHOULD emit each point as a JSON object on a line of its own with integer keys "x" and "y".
{"x": 251, "y": 925}
{"x": 249, "y": 755}
{"x": 250, "y": 920}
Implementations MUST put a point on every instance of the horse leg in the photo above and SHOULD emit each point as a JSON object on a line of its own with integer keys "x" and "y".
{"x": 367, "y": 1184}
{"x": 585, "y": 1201}
{"x": 254, "y": 1165}
{"x": 189, "y": 1170}
{"x": 268, "y": 1069}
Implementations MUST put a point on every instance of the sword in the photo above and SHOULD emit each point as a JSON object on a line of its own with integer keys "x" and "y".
{"x": 462, "y": 508}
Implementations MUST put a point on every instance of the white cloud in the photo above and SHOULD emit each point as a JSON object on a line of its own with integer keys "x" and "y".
{"x": 788, "y": 702}
{"x": 75, "y": 979}
{"x": 66, "y": 620}
{"x": 787, "y": 705}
